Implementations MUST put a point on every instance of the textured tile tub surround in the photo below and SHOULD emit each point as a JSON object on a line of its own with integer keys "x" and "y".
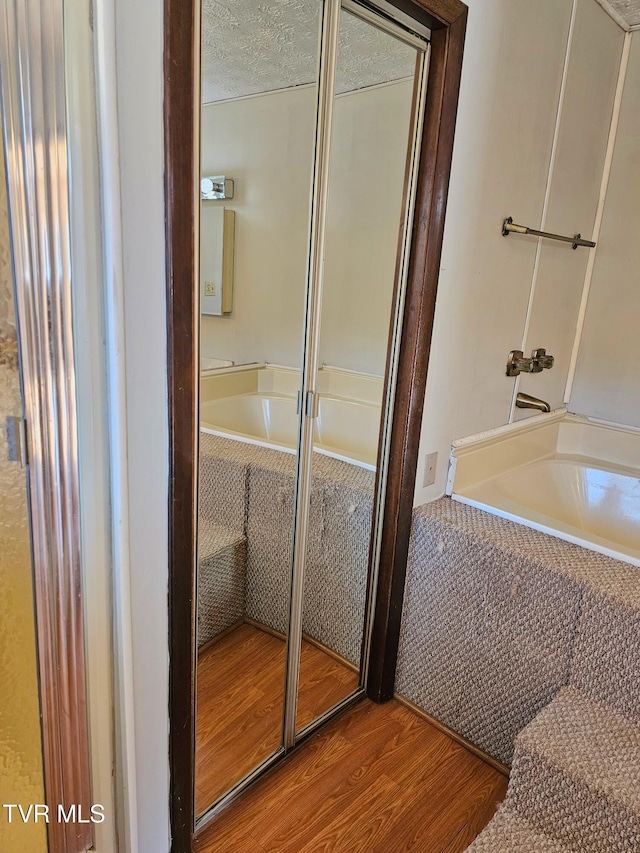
{"x": 487, "y": 629}
{"x": 270, "y": 544}
{"x": 488, "y": 603}
{"x": 496, "y": 615}
{"x": 335, "y": 588}
{"x": 606, "y": 656}
{"x": 337, "y": 554}
{"x": 576, "y": 775}
{"x": 222, "y": 561}
{"x": 510, "y": 833}
{"x": 223, "y": 491}
{"x": 251, "y": 490}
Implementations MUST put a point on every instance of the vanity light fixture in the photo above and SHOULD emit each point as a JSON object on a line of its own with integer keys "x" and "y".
{"x": 216, "y": 187}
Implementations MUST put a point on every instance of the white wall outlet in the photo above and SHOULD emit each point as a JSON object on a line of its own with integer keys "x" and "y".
{"x": 430, "y": 463}
{"x": 209, "y": 288}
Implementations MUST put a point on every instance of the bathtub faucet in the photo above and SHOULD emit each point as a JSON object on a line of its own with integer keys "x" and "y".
{"x": 526, "y": 401}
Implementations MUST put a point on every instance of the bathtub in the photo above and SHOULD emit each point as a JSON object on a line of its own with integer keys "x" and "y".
{"x": 207, "y": 364}
{"x": 257, "y": 404}
{"x": 562, "y": 474}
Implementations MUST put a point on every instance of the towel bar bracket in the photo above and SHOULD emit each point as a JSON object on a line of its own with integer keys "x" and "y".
{"x": 509, "y": 226}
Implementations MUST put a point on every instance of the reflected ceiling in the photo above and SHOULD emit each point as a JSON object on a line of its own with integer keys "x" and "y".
{"x": 252, "y": 46}
{"x": 627, "y": 10}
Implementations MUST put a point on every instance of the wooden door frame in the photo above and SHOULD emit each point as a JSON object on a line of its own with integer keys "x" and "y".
{"x": 447, "y": 19}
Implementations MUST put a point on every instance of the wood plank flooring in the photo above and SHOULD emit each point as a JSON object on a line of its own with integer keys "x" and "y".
{"x": 239, "y": 707}
{"x": 378, "y": 778}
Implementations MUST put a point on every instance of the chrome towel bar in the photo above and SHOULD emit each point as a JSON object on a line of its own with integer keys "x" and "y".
{"x": 509, "y": 225}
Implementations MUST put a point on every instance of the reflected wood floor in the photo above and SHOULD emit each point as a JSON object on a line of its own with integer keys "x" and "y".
{"x": 377, "y": 778}
{"x": 239, "y": 707}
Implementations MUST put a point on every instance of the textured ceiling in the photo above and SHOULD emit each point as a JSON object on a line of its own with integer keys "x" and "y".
{"x": 252, "y": 46}
{"x": 628, "y": 10}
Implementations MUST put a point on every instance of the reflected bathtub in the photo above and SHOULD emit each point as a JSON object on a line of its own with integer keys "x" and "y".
{"x": 258, "y": 405}
{"x": 566, "y": 476}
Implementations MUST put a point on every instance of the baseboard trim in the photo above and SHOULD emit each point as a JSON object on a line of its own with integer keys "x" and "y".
{"x": 267, "y": 629}
{"x": 484, "y": 756}
{"x": 311, "y": 640}
{"x": 347, "y": 664}
{"x": 204, "y": 648}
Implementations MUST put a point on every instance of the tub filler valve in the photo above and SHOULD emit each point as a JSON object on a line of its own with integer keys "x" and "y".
{"x": 541, "y": 361}
{"x": 518, "y": 363}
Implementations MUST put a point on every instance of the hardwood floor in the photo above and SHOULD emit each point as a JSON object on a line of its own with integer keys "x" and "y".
{"x": 378, "y": 778}
{"x": 239, "y": 706}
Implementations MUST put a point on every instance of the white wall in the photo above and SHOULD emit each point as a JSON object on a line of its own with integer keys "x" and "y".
{"x": 139, "y": 34}
{"x": 266, "y": 143}
{"x": 368, "y": 159}
{"x": 510, "y": 94}
{"x": 607, "y": 383}
{"x": 574, "y": 188}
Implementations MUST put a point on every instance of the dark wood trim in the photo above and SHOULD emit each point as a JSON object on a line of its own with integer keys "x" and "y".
{"x": 182, "y": 335}
{"x": 424, "y": 268}
{"x": 435, "y": 14}
{"x": 447, "y": 19}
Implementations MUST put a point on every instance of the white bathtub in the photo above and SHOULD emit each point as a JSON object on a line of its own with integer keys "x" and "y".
{"x": 207, "y": 364}
{"x": 258, "y": 405}
{"x": 561, "y": 474}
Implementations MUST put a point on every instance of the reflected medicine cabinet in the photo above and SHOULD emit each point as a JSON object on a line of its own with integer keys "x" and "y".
{"x": 217, "y": 240}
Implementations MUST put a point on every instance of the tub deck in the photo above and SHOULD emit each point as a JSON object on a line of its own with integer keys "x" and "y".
{"x": 257, "y": 404}
{"x": 565, "y": 476}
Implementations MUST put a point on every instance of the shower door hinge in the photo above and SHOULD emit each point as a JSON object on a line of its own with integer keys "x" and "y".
{"x": 311, "y": 404}
{"x": 17, "y": 440}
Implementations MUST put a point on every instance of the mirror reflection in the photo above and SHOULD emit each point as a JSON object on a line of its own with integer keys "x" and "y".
{"x": 369, "y": 143}
{"x": 260, "y": 85}
{"x": 258, "y": 129}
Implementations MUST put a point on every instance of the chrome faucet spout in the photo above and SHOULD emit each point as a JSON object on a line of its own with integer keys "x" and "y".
{"x": 526, "y": 401}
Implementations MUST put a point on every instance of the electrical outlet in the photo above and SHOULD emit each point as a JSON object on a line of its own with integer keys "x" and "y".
{"x": 430, "y": 463}
{"x": 209, "y": 288}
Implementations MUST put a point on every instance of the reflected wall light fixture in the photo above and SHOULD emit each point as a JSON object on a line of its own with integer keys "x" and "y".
{"x": 216, "y": 187}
